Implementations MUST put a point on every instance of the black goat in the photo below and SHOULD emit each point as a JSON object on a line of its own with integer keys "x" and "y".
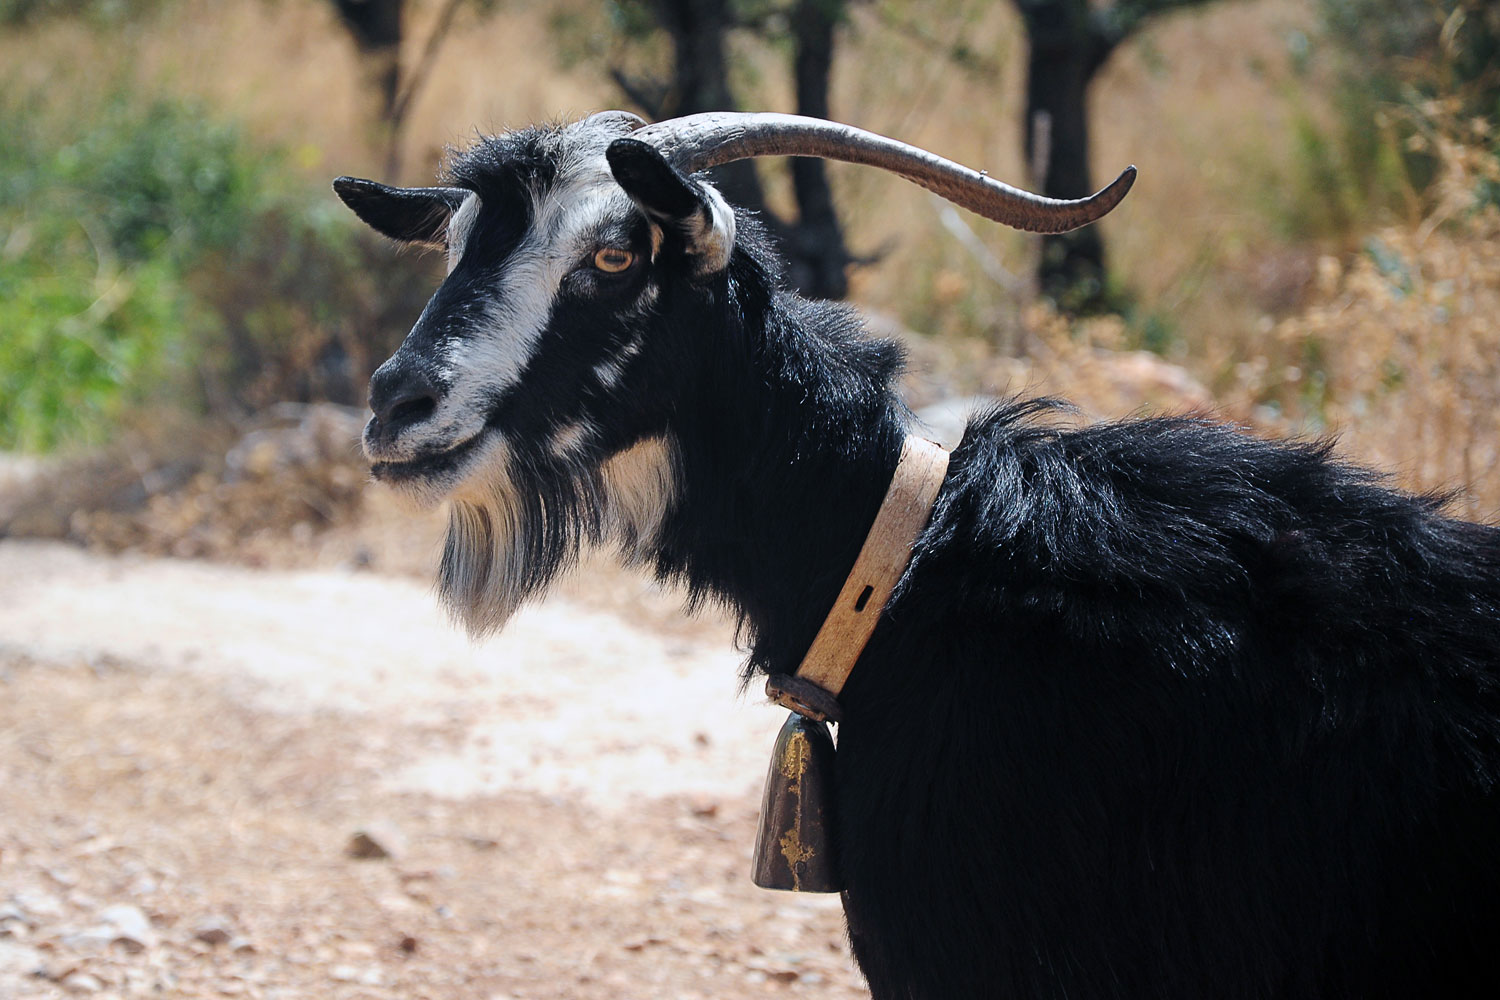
{"x": 1157, "y": 710}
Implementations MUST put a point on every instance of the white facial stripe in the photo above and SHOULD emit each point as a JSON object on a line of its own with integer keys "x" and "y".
{"x": 501, "y": 345}
{"x": 561, "y": 234}
{"x": 459, "y": 228}
{"x": 496, "y": 334}
{"x": 644, "y": 302}
{"x": 612, "y": 369}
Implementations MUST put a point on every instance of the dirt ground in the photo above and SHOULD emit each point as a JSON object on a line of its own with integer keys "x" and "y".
{"x": 193, "y": 753}
{"x": 192, "y": 756}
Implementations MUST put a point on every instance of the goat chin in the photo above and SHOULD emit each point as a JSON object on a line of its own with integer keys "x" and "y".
{"x": 522, "y": 524}
{"x": 418, "y": 495}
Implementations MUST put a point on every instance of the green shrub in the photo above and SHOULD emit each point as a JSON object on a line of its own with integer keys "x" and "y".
{"x": 1399, "y": 63}
{"x": 89, "y": 313}
{"x": 149, "y": 252}
{"x": 1422, "y": 48}
{"x": 79, "y": 342}
{"x": 104, "y": 12}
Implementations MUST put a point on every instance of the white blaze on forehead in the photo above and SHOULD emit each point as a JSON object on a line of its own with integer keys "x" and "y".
{"x": 563, "y": 231}
{"x": 459, "y": 228}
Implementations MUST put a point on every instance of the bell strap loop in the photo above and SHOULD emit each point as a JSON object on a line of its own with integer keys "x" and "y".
{"x": 803, "y": 697}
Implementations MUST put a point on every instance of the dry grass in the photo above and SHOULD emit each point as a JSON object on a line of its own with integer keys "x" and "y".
{"x": 1200, "y": 101}
{"x": 1387, "y": 346}
{"x": 1401, "y": 359}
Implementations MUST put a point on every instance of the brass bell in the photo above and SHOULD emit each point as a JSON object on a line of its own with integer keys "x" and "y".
{"x": 794, "y": 849}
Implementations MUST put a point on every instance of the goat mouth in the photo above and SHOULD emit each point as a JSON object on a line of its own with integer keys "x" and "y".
{"x": 427, "y": 466}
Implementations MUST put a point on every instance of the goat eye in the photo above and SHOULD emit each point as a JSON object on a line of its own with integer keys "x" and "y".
{"x": 613, "y": 260}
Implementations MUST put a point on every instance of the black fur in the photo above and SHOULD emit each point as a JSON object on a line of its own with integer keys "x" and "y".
{"x": 1158, "y": 710}
{"x": 1165, "y": 710}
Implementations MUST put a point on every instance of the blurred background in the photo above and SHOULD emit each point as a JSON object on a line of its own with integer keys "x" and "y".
{"x": 241, "y": 753}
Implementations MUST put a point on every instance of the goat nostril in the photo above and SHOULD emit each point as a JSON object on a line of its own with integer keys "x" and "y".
{"x": 410, "y": 411}
{"x": 402, "y": 398}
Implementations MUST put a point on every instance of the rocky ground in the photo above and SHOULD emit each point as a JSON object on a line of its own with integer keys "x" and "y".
{"x": 272, "y": 770}
{"x": 225, "y": 781}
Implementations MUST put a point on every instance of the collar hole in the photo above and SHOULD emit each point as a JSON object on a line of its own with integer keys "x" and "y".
{"x": 864, "y": 598}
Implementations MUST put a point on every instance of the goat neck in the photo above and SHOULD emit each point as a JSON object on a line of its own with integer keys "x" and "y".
{"x": 782, "y": 466}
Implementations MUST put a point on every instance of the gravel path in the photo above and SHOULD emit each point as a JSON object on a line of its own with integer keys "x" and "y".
{"x": 187, "y": 749}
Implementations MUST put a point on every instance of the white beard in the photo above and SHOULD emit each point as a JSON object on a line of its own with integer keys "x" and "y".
{"x": 506, "y": 546}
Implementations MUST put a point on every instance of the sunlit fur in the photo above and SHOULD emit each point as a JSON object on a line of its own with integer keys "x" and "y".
{"x": 1158, "y": 709}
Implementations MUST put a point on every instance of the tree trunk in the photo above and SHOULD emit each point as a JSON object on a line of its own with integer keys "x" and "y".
{"x": 1070, "y": 42}
{"x": 1065, "y": 54}
{"x": 816, "y": 248}
{"x": 701, "y": 83}
{"x": 376, "y": 27}
{"x": 814, "y": 244}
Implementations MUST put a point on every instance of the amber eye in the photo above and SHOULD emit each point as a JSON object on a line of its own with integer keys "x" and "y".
{"x": 613, "y": 260}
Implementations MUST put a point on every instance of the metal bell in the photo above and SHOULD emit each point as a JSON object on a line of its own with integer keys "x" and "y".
{"x": 794, "y": 849}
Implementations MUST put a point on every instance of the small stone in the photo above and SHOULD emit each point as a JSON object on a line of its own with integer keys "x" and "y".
{"x": 38, "y": 904}
{"x": 90, "y": 937}
{"x": 214, "y": 932}
{"x": 368, "y": 976}
{"x": 19, "y": 959}
{"x": 374, "y": 842}
{"x": 82, "y": 982}
{"x": 82, "y": 901}
{"x": 64, "y": 877}
{"x": 132, "y": 928}
{"x": 365, "y": 847}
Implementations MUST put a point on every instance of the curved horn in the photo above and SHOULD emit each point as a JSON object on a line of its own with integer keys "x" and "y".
{"x": 698, "y": 142}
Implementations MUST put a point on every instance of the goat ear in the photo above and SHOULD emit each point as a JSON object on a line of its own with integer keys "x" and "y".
{"x": 680, "y": 204}
{"x": 411, "y": 215}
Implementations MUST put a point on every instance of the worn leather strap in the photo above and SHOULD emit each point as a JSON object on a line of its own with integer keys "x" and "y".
{"x": 883, "y": 558}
